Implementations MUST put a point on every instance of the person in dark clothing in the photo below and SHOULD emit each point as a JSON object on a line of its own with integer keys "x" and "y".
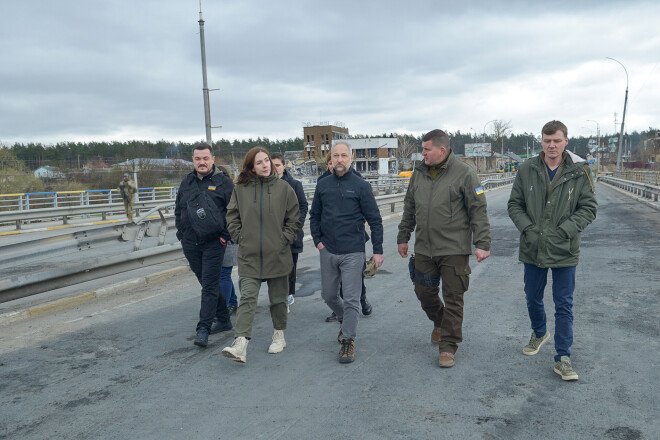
{"x": 277, "y": 161}
{"x": 366, "y": 305}
{"x": 205, "y": 254}
{"x": 342, "y": 203}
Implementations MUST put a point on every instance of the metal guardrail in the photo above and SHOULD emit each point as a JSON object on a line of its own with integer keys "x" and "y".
{"x": 64, "y": 213}
{"x": 88, "y": 203}
{"x": 86, "y": 269}
{"x": 58, "y": 199}
{"x": 644, "y": 190}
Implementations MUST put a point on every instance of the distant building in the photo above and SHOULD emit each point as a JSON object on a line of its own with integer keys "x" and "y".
{"x": 318, "y": 137}
{"x": 48, "y": 172}
{"x": 97, "y": 165}
{"x": 374, "y": 156}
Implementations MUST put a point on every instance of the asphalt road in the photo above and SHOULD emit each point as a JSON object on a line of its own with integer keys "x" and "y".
{"x": 127, "y": 368}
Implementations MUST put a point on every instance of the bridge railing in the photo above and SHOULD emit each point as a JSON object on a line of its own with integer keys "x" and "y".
{"x": 644, "y": 176}
{"x": 30, "y": 207}
{"x": 644, "y": 190}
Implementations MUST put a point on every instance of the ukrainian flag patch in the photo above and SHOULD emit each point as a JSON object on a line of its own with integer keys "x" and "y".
{"x": 212, "y": 188}
{"x": 479, "y": 190}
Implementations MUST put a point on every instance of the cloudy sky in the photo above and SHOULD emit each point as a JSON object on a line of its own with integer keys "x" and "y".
{"x": 125, "y": 69}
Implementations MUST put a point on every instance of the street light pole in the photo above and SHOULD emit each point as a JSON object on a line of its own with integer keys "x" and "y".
{"x": 484, "y": 141}
{"x": 205, "y": 89}
{"x": 623, "y": 119}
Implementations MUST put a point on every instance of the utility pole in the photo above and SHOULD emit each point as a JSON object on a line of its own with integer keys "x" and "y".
{"x": 623, "y": 118}
{"x": 205, "y": 89}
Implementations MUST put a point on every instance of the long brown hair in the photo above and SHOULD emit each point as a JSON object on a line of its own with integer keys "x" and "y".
{"x": 246, "y": 174}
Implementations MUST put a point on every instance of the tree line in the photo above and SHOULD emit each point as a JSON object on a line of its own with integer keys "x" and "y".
{"x": 72, "y": 155}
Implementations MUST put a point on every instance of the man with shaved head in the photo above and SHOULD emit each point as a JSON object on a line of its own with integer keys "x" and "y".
{"x": 342, "y": 202}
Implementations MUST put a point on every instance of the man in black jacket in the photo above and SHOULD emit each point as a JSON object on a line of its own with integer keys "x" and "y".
{"x": 277, "y": 160}
{"x": 366, "y": 305}
{"x": 201, "y": 206}
{"x": 342, "y": 202}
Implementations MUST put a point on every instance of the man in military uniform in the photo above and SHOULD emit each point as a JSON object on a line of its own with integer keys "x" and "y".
{"x": 126, "y": 191}
{"x": 446, "y": 207}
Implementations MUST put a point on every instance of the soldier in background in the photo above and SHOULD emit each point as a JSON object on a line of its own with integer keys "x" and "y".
{"x": 126, "y": 191}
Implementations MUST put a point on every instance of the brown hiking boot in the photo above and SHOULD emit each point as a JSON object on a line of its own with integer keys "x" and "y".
{"x": 347, "y": 353}
{"x": 446, "y": 360}
{"x": 435, "y": 336}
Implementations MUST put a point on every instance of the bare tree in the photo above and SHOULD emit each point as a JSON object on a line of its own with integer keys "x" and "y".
{"x": 501, "y": 130}
{"x": 408, "y": 145}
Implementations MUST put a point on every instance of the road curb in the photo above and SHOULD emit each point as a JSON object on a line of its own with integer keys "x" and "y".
{"x": 71, "y": 302}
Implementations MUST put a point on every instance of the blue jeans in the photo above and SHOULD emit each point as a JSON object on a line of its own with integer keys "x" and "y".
{"x": 563, "y": 285}
{"x": 227, "y": 287}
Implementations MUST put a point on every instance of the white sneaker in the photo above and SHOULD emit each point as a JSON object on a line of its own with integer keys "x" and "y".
{"x": 291, "y": 299}
{"x": 237, "y": 351}
{"x": 278, "y": 343}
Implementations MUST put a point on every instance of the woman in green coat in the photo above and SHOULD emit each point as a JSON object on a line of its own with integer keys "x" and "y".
{"x": 263, "y": 219}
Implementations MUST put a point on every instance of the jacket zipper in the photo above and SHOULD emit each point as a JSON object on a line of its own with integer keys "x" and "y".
{"x": 261, "y": 233}
{"x": 428, "y": 216}
{"x": 451, "y": 207}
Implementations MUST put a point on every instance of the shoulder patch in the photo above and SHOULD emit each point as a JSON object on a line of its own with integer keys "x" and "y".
{"x": 211, "y": 188}
{"x": 479, "y": 190}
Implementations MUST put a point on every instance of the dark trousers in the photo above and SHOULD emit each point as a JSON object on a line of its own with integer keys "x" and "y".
{"x": 363, "y": 294}
{"x": 455, "y": 273}
{"x": 292, "y": 275}
{"x": 205, "y": 260}
{"x": 563, "y": 285}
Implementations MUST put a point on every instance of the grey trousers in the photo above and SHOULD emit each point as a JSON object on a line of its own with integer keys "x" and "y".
{"x": 346, "y": 268}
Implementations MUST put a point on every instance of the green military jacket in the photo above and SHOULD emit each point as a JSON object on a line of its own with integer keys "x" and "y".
{"x": 551, "y": 218}
{"x": 263, "y": 219}
{"x": 448, "y": 212}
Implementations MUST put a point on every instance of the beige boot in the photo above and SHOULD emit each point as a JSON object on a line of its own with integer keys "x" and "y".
{"x": 238, "y": 350}
{"x": 278, "y": 343}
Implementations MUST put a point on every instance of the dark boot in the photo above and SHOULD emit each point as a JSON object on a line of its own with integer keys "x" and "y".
{"x": 202, "y": 338}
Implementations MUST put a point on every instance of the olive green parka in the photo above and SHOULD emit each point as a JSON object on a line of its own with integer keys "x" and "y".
{"x": 263, "y": 219}
{"x": 448, "y": 213}
{"x": 551, "y": 218}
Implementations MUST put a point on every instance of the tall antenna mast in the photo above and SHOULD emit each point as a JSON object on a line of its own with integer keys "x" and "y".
{"x": 205, "y": 89}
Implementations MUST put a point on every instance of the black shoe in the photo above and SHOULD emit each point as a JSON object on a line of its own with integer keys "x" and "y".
{"x": 202, "y": 338}
{"x": 218, "y": 327}
{"x": 366, "y": 307}
{"x": 331, "y": 318}
{"x": 232, "y": 310}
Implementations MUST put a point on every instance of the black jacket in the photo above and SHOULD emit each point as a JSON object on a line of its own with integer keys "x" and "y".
{"x": 340, "y": 207}
{"x": 297, "y": 246}
{"x": 220, "y": 195}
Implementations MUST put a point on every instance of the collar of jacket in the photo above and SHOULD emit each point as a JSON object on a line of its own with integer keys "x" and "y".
{"x": 287, "y": 176}
{"x": 427, "y": 169}
{"x": 269, "y": 179}
{"x": 193, "y": 174}
{"x": 571, "y": 163}
{"x": 346, "y": 174}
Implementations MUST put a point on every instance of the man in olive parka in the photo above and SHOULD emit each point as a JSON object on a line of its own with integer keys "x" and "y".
{"x": 446, "y": 207}
{"x": 552, "y": 201}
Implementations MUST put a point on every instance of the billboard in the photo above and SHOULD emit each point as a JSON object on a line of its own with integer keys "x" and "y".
{"x": 478, "y": 150}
